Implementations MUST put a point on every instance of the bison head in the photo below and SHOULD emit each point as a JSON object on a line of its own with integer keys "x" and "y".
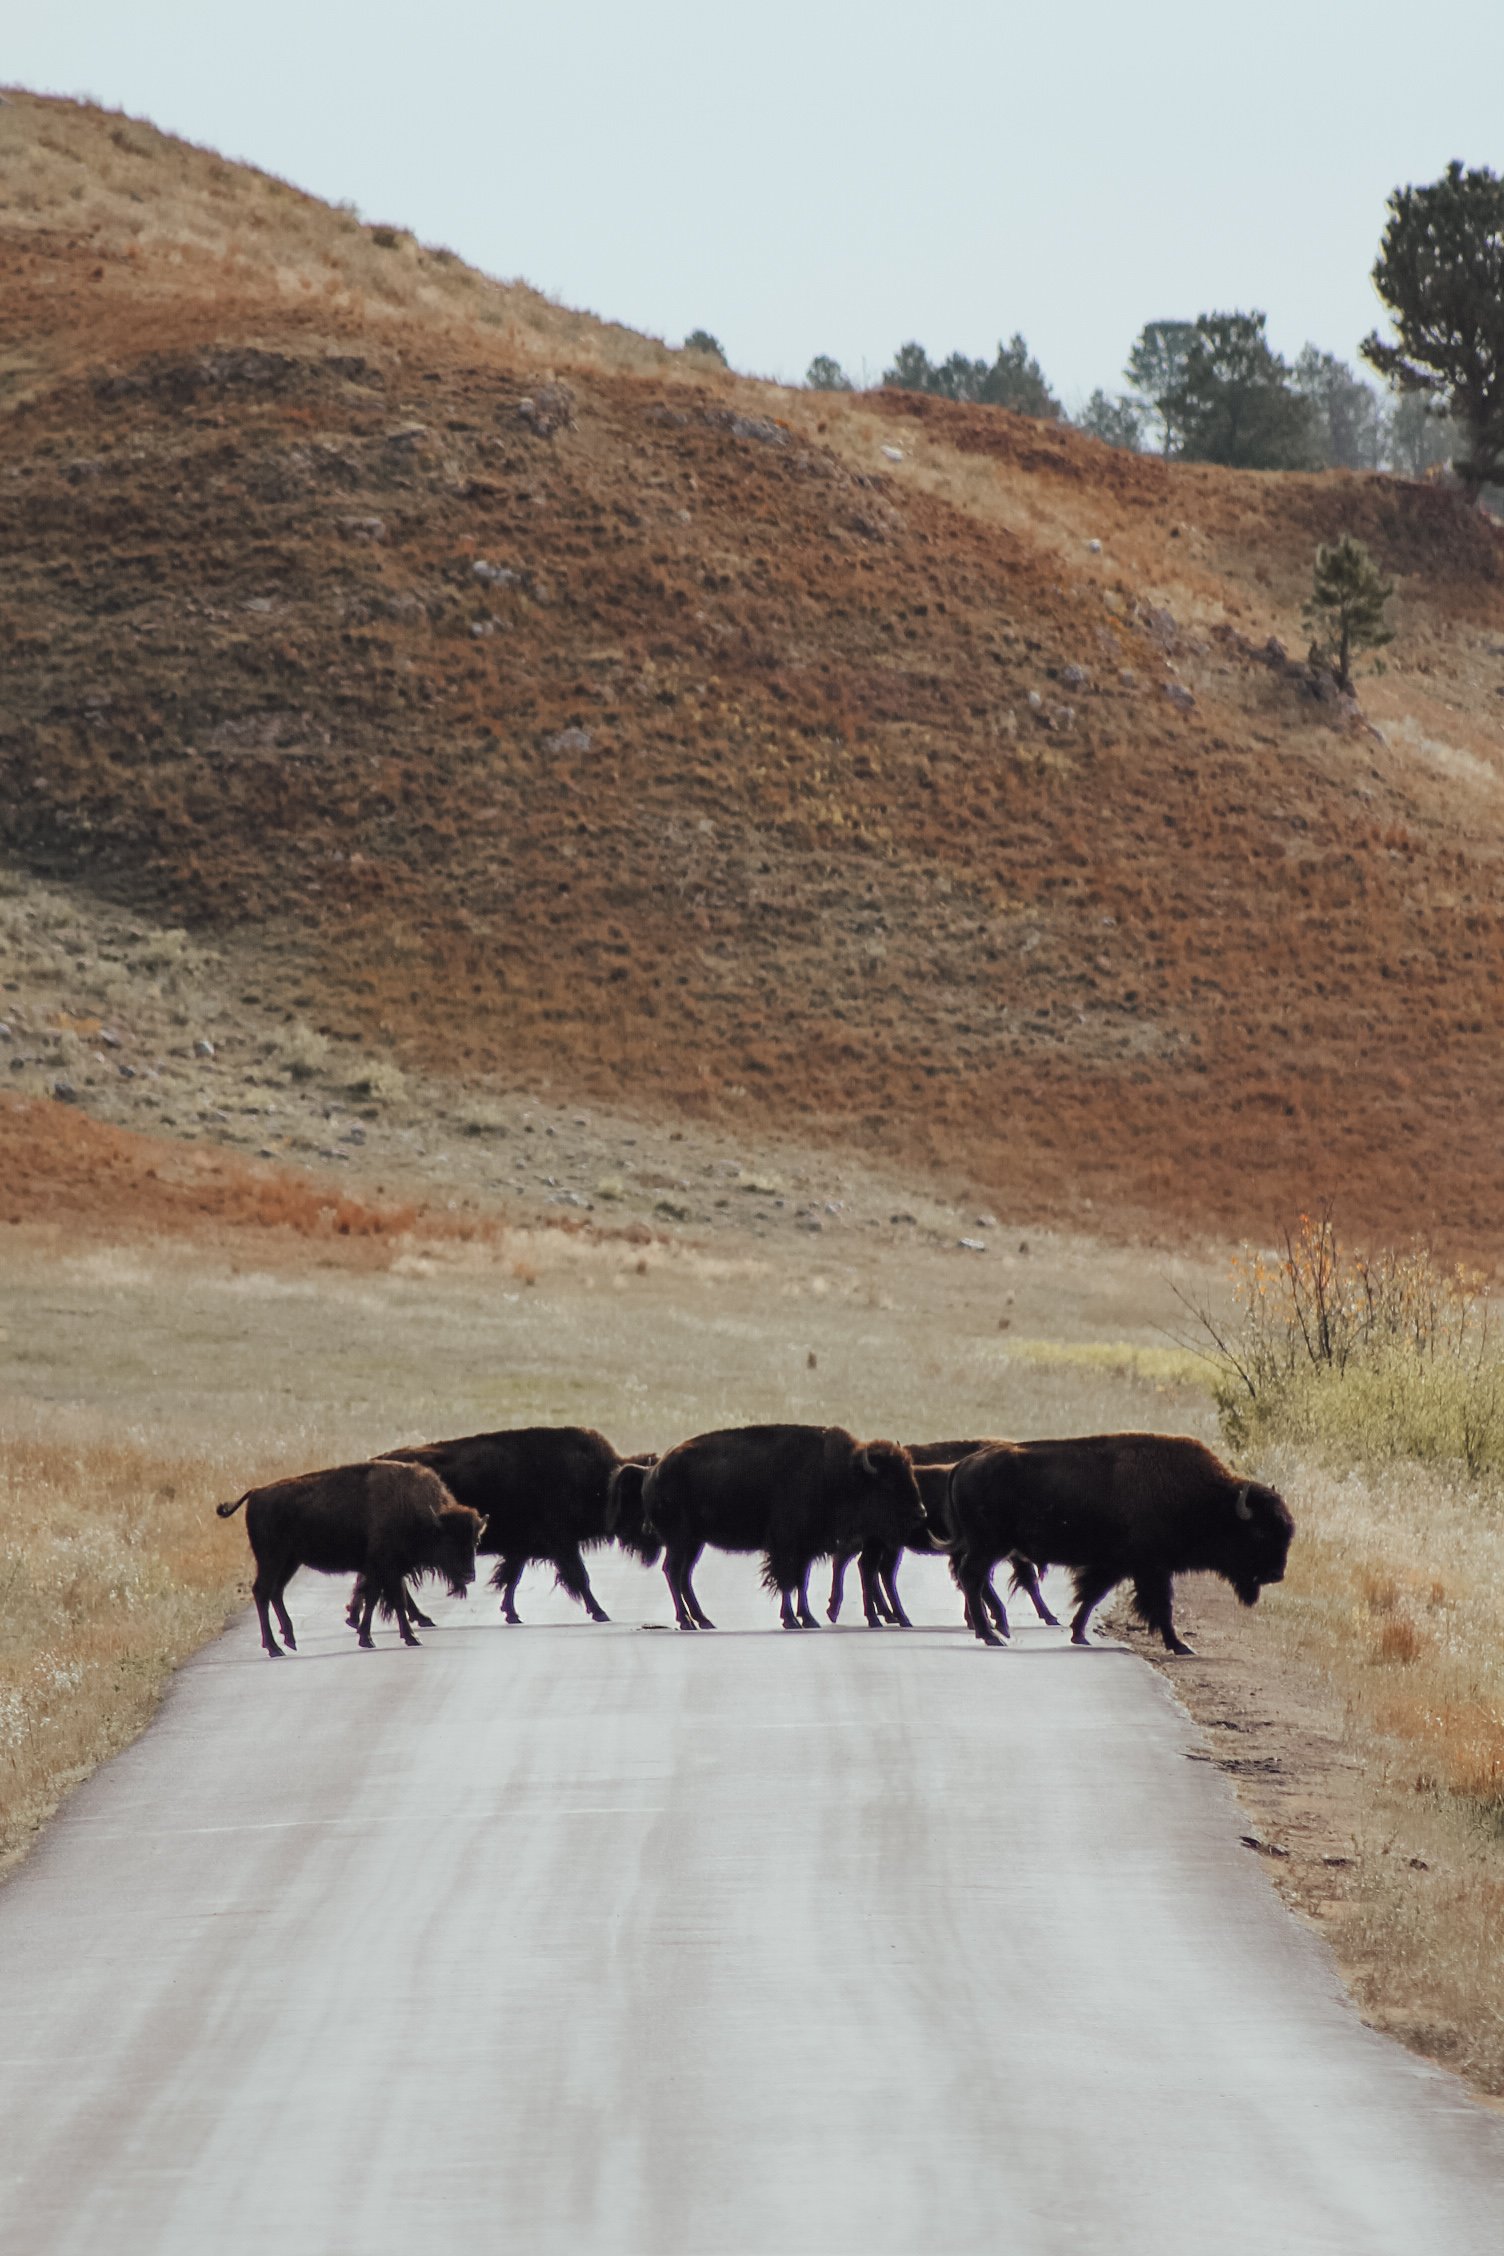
{"x": 629, "y": 1522}
{"x": 1259, "y": 1540}
{"x": 890, "y": 1504}
{"x": 460, "y": 1530}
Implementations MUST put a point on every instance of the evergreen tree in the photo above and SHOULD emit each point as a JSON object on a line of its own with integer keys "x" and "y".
{"x": 1155, "y": 368}
{"x": 1016, "y": 380}
{"x": 1420, "y": 435}
{"x": 1347, "y": 415}
{"x": 701, "y": 341}
{"x": 1234, "y": 403}
{"x": 1440, "y": 271}
{"x": 1118, "y": 421}
{"x": 911, "y": 370}
{"x": 1346, "y": 607}
{"x": 826, "y": 375}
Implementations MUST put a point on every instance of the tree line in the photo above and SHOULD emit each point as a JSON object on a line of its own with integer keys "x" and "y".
{"x": 1215, "y": 390}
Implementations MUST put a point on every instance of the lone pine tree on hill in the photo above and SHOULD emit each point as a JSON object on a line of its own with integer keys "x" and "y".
{"x": 1346, "y": 607}
{"x": 1440, "y": 271}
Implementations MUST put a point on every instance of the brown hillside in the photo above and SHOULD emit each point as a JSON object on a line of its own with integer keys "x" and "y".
{"x": 660, "y": 737}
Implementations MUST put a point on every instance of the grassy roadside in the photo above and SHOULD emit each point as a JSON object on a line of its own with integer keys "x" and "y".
{"x": 1359, "y": 1715}
{"x": 109, "y": 1578}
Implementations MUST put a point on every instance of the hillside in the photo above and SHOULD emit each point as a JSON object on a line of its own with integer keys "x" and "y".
{"x": 506, "y": 691}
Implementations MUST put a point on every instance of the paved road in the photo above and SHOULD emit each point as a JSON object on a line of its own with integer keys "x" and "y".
{"x": 566, "y": 1939}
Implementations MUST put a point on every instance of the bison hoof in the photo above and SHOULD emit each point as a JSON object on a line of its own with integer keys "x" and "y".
{"x": 1179, "y": 1647}
{"x": 1051, "y": 1621}
{"x": 1079, "y": 1637}
{"x": 368, "y": 1644}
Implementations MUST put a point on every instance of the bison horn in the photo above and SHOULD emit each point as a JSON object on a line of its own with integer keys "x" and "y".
{"x": 1244, "y": 1508}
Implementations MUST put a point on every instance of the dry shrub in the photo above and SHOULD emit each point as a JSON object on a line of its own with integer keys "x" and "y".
{"x": 1368, "y": 1356}
{"x": 1399, "y": 1640}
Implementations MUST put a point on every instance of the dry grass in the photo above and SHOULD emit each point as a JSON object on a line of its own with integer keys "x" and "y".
{"x": 1394, "y": 1611}
{"x": 111, "y": 1573}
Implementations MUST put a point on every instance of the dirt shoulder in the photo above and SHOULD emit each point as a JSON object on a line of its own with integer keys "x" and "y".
{"x": 1404, "y": 1883}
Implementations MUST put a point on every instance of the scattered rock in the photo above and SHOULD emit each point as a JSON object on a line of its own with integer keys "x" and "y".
{"x": 811, "y": 1361}
{"x": 1183, "y": 699}
{"x": 1262, "y": 1847}
{"x": 672, "y": 1209}
{"x": 495, "y": 575}
{"x": 126, "y": 1072}
{"x": 1023, "y": 1245}
{"x": 549, "y": 409}
{"x": 203, "y": 1048}
{"x": 569, "y": 740}
{"x": 363, "y": 528}
{"x": 1075, "y": 677}
{"x": 1127, "y": 677}
{"x": 110, "y": 1039}
{"x": 893, "y": 454}
{"x": 64, "y": 1092}
{"x": 759, "y": 427}
{"x": 1094, "y": 548}
{"x": 972, "y": 1245}
{"x": 410, "y": 435}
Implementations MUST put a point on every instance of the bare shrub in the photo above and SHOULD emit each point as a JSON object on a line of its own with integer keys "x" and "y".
{"x": 1372, "y": 1355}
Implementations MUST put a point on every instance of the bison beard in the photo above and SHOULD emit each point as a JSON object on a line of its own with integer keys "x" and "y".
{"x": 1114, "y": 1508}
{"x": 382, "y": 1522}
{"x": 795, "y": 1493}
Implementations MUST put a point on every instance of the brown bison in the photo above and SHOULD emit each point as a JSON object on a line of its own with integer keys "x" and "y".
{"x": 382, "y": 1522}
{"x": 877, "y": 1563}
{"x": 1114, "y": 1508}
{"x": 795, "y": 1493}
{"x": 547, "y": 1493}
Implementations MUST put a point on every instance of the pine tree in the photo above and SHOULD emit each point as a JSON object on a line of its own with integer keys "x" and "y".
{"x": 827, "y": 375}
{"x": 701, "y": 341}
{"x": 1440, "y": 271}
{"x": 1346, "y": 608}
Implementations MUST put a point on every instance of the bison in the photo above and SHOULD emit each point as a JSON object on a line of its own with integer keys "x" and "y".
{"x": 548, "y": 1493}
{"x": 1114, "y": 1508}
{"x": 795, "y": 1493}
{"x": 878, "y": 1563}
{"x": 380, "y": 1521}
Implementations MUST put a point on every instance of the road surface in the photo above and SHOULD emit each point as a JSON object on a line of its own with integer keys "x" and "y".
{"x": 578, "y": 1939}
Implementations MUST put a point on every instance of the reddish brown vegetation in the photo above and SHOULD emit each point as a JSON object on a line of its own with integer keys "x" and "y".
{"x": 732, "y": 799}
{"x": 57, "y": 1165}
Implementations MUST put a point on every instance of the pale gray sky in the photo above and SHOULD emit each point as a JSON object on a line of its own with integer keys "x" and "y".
{"x": 835, "y": 177}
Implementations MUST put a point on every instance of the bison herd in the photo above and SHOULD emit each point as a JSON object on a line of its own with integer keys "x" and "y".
{"x": 1113, "y": 1508}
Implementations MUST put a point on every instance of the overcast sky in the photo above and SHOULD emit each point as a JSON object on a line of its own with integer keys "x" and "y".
{"x": 831, "y": 177}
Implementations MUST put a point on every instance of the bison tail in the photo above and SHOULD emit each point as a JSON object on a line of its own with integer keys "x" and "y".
{"x": 228, "y": 1511}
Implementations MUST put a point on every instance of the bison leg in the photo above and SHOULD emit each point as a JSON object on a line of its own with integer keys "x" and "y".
{"x": 786, "y": 1613}
{"x": 1092, "y": 1586}
{"x": 974, "y": 1579}
{"x": 869, "y": 1567}
{"x": 1026, "y": 1579}
{"x": 995, "y": 1608}
{"x": 357, "y": 1599}
{"x": 415, "y": 1612}
{"x": 402, "y": 1609}
{"x": 570, "y": 1569}
{"x": 838, "y": 1566}
{"x": 262, "y": 1592}
{"x": 505, "y": 1578}
{"x": 1154, "y": 1598}
{"x": 889, "y": 1583}
{"x": 367, "y": 1607}
{"x": 678, "y": 1565}
{"x": 702, "y": 1620}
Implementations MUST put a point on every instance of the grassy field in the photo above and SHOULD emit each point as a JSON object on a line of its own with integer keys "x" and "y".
{"x": 153, "y": 1376}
